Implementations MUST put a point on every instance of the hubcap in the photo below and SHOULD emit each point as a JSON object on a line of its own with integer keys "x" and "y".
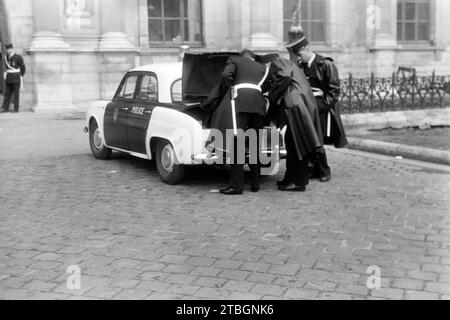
{"x": 168, "y": 158}
{"x": 98, "y": 142}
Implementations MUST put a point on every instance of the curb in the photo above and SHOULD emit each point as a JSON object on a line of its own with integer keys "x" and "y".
{"x": 397, "y": 150}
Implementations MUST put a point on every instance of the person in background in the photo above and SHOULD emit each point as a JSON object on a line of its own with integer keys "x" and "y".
{"x": 15, "y": 70}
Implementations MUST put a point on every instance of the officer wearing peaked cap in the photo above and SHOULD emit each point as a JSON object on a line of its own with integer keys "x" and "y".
{"x": 15, "y": 70}
{"x": 323, "y": 77}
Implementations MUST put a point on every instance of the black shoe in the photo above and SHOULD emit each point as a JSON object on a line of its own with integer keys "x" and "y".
{"x": 282, "y": 183}
{"x": 292, "y": 188}
{"x": 314, "y": 176}
{"x": 325, "y": 179}
{"x": 255, "y": 188}
{"x": 3, "y": 111}
{"x": 232, "y": 191}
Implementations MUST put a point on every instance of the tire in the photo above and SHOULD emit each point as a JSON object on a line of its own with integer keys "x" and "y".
{"x": 98, "y": 148}
{"x": 170, "y": 172}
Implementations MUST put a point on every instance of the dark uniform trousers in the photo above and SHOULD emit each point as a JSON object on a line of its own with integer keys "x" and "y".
{"x": 296, "y": 170}
{"x": 250, "y": 110}
{"x": 11, "y": 90}
{"x": 246, "y": 121}
{"x": 320, "y": 161}
{"x": 13, "y": 81}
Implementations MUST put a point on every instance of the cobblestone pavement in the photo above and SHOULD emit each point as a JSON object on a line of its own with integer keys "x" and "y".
{"x": 135, "y": 238}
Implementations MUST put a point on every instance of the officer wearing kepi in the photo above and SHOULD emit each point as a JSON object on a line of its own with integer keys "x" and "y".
{"x": 15, "y": 70}
{"x": 323, "y": 77}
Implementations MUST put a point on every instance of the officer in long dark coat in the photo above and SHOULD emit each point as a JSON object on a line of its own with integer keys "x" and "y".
{"x": 15, "y": 70}
{"x": 323, "y": 77}
{"x": 2, "y": 79}
{"x": 293, "y": 105}
{"x": 238, "y": 103}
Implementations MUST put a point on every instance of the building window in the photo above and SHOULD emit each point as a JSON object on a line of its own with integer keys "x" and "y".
{"x": 175, "y": 21}
{"x": 310, "y": 14}
{"x": 413, "y": 20}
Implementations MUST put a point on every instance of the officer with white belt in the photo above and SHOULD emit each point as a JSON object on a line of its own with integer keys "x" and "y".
{"x": 246, "y": 77}
{"x": 15, "y": 70}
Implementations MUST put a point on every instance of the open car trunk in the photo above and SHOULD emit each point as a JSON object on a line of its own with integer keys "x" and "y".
{"x": 201, "y": 73}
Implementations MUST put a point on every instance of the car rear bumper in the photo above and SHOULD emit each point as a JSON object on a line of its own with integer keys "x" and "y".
{"x": 208, "y": 158}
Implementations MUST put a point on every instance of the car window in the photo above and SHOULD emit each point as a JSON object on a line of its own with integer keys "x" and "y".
{"x": 129, "y": 87}
{"x": 149, "y": 88}
{"x": 177, "y": 91}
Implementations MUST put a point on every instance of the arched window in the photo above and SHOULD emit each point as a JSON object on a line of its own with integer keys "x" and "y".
{"x": 175, "y": 21}
{"x": 310, "y": 14}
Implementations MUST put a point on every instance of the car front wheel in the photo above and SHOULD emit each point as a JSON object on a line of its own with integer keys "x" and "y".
{"x": 170, "y": 172}
{"x": 98, "y": 148}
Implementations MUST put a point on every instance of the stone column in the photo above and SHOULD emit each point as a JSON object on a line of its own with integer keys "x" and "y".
{"x": 47, "y": 15}
{"x": 51, "y": 66}
{"x": 118, "y": 55}
{"x": 113, "y": 26}
{"x": 382, "y": 35}
{"x": 382, "y": 23}
{"x": 442, "y": 36}
{"x": 261, "y": 37}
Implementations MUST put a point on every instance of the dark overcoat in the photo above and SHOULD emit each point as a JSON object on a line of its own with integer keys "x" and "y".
{"x": 293, "y": 104}
{"x": 325, "y": 76}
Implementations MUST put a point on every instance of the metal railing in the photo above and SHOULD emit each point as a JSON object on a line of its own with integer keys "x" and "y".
{"x": 403, "y": 91}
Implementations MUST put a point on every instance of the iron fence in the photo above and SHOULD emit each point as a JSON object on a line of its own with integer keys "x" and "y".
{"x": 399, "y": 92}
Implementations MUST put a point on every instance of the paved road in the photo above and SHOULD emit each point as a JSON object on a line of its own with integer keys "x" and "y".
{"x": 133, "y": 237}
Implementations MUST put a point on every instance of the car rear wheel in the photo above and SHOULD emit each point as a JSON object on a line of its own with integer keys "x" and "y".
{"x": 170, "y": 172}
{"x": 98, "y": 148}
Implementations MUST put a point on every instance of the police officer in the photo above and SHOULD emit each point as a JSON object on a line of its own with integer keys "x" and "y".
{"x": 15, "y": 70}
{"x": 293, "y": 105}
{"x": 246, "y": 78}
{"x": 323, "y": 77}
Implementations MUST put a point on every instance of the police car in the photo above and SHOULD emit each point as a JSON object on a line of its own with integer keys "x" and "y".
{"x": 155, "y": 115}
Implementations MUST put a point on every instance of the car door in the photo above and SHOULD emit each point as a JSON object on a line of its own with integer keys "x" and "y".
{"x": 141, "y": 112}
{"x": 117, "y": 113}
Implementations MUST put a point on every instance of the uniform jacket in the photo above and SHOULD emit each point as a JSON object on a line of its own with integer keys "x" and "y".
{"x": 2, "y": 79}
{"x": 237, "y": 71}
{"x": 240, "y": 70}
{"x": 293, "y": 104}
{"x": 327, "y": 77}
{"x": 15, "y": 62}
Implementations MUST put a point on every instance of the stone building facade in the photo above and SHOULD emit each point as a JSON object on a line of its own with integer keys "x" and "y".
{"x": 78, "y": 50}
